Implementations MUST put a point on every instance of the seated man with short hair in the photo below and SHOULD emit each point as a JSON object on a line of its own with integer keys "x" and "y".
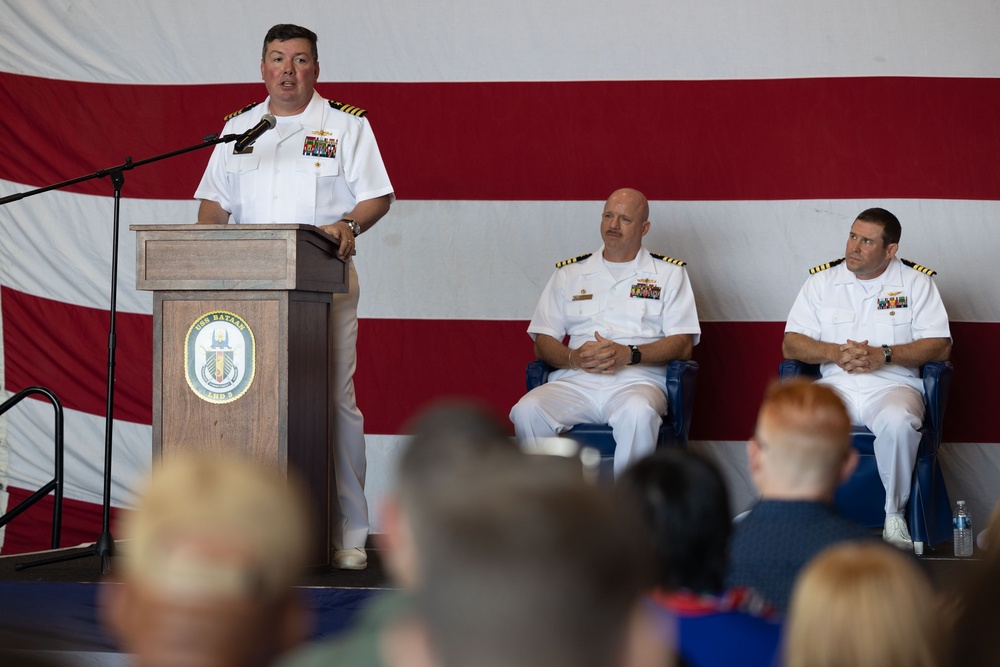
{"x": 627, "y": 313}
{"x": 871, "y": 320}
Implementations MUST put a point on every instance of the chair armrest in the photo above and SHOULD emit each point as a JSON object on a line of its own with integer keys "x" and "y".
{"x": 681, "y": 377}
{"x": 537, "y": 374}
{"x": 680, "y": 382}
{"x": 937, "y": 385}
{"x": 790, "y": 368}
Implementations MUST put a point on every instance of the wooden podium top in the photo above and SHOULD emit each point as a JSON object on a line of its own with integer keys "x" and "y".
{"x": 238, "y": 257}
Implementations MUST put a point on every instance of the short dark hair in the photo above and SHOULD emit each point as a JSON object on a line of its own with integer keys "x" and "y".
{"x": 446, "y": 435}
{"x": 682, "y": 499}
{"x": 891, "y": 229}
{"x": 286, "y": 31}
{"x": 527, "y": 564}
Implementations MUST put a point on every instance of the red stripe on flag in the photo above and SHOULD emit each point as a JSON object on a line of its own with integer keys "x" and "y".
{"x": 434, "y": 359}
{"x": 32, "y": 530}
{"x": 738, "y": 359}
{"x": 820, "y": 138}
{"x": 64, "y": 347}
{"x": 431, "y": 360}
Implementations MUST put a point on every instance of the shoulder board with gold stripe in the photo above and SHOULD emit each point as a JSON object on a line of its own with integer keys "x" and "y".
{"x": 244, "y": 109}
{"x": 824, "y": 267}
{"x": 668, "y": 259}
{"x": 567, "y": 262}
{"x": 348, "y": 108}
{"x": 918, "y": 267}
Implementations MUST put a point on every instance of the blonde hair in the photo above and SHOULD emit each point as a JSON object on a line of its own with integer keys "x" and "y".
{"x": 862, "y": 604}
{"x": 207, "y": 526}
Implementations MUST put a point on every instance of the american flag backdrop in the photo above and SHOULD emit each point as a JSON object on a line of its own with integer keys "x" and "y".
{"x": 758, "y": 130}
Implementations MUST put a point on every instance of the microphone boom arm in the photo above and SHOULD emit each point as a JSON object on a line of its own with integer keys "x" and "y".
{"x": 209, "y": 140}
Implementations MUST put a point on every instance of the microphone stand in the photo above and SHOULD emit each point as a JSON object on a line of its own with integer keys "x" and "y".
{"x": 104, "y": 547}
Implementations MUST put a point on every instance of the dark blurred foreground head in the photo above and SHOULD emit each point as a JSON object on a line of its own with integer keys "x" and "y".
{"x": 528, "y": 564}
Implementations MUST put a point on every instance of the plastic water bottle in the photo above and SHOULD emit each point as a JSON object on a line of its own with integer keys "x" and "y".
{"x": 962, "y": 524}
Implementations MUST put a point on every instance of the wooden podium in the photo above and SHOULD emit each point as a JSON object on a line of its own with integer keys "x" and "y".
{"x": 241, "y": 341}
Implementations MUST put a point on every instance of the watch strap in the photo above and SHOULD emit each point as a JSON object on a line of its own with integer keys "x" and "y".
{"x": 636, "y": 355}
{"x": 353, "y": 224}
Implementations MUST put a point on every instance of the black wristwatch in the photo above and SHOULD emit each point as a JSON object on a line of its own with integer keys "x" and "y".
{"x": 636, "y": 355}
{"x": 353, "y": 224}
{"x": 887, "y": 353}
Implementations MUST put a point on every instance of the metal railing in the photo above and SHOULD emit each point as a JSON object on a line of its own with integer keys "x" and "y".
{"x": 56, "y": 484}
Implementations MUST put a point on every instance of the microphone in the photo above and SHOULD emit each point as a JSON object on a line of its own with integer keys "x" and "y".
{"x": 253, "y": 134}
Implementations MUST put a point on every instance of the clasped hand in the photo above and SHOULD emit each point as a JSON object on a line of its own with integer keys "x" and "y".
{"x": 857, "y": 357}
{"x": 602, "y": 355}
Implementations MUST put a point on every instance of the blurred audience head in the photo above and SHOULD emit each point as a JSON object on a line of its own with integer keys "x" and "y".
{"x": 527, "y": 564}
{"x": 209, "y": 557}
{"x": 801, "y": 448}
{"x": 682, "y": 499}
{"x": 865, "y": 605}
{"x": 449, "y": 438}
{"x": 448, "y": 433}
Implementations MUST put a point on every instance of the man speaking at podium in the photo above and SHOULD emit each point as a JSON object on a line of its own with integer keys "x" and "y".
{"x": 304, "y": 159}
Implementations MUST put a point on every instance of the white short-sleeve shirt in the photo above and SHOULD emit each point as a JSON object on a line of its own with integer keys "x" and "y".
{"x": 651, "y": 300}
{"x": 900, "y": 306}
{"x": 310, "y": 169}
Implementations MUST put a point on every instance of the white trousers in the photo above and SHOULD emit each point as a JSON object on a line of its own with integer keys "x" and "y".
{"x": 894, "y": 413}
{"x": 350, "y": 528}
{"x": 633, "y": 410}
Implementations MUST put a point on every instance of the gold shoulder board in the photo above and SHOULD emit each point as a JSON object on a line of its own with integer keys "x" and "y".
{"x": 348, "y": 108}
{"x": 244, "y": 109}
{"x": 918, "y": 267}
{"x": 824, "y": 267}
{"x": 668, "y": 259}
{"x": 566, "y": 262}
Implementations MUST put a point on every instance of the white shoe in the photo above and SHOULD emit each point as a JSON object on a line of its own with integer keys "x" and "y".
{"x": 896, "y": 534}
{"x": 350, "y": 559}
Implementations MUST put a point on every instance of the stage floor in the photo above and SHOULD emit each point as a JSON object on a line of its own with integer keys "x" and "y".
{"x": 53, "y": 607}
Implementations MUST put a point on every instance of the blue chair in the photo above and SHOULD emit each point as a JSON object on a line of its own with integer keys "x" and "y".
{"x": 862, "y": 497}
{"x": 681, "y": 376}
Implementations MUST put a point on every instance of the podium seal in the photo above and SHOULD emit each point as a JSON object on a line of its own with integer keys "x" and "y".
{"x": 219, "y": 356}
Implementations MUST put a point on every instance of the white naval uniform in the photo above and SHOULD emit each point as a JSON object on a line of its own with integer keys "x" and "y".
{"x": 650, "y": 300}
{"x": 311, "y": 169}
{"x": 900, "y": 306}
